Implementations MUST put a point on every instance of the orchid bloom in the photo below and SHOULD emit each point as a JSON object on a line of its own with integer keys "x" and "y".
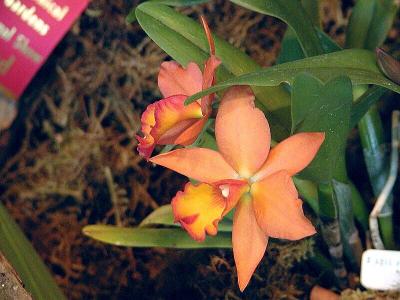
{"x": 169, "y": 121}
{"x": 246, "y": 175}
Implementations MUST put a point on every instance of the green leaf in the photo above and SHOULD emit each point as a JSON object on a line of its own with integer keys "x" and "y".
{"x": 370, "y": 23}
{"x": 363, "y": 103}
{"x": 313, "y": 11}
{"x": 292, "y": 13}
{"x": 151, "y": 237}
{"x": 184, "y": 40}
{"x": 131, "y": 17}
{"x": 25, "y": 260}
{"x": 308, "y": 191}
{"x": 318, "y": 107}
{"x": 291, "y": 49}
{"x": 359, "y": 65}
{"x": 160, "y": 216}
{"x": 164, "y": 216}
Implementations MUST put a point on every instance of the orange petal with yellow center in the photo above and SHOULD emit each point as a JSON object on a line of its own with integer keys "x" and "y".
{"x": 201, "y": 164}
{"x": 169, "y": 121}
{"x": 198, "y": 209}
{"x": 242, "y": 131}
{"x": 176, "y": 80}
{"x": 292, "y": 154}
{"x": 278, "y": 209}
{"x": 170, "y": 113}
{"x": 248, "y": 240}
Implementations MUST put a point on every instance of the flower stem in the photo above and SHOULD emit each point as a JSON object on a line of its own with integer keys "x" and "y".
{"x": 328, "y": 214}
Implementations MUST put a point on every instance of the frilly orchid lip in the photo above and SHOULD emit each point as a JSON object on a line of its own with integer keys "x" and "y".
{"x": 246, "y": 175}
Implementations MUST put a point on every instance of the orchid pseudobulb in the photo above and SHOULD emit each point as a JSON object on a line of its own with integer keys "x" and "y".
{"x": 246, "y": 175}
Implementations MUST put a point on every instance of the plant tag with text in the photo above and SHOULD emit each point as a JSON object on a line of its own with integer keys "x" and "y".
{"x": 380, "y": 269}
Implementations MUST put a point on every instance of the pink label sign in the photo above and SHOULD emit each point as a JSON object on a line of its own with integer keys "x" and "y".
{"x": 29, "y": 30}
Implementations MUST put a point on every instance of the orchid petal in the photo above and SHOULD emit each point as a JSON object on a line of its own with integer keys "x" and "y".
{"x": 176, "y": 80}
{"x": 190, "y": 135}
{"x": 201, "y": 164}
{"x": 242, "y": 131}
{"x": 277, "y": 208}
{"x": 198, "y": 209}
{"x": 208, "y": 79}
{"x": 232, "y": 190}
{"x": 248, "y": 240}
{"x": 164, "y": 121}
{"x": 293, "y": 154}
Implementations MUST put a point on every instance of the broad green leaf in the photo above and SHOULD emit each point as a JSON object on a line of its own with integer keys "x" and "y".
{"x": 27, "y": 263}
{"x": 184, "y": 40}
{"x": 291, "y": 49}
{"x": 292, "y": 13}
{"x": 318, "y": 107}
{"x": 131, "y": 17}
{"x": 358, "y": 64}
{"x": 369, "y": 23}
{"x": 151, "y": 237}
{"x": 164, "y": 216}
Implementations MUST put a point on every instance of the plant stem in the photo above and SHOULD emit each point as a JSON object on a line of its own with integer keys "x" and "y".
{"x": 377, "y": 162}
{"x": 330, "y": 230}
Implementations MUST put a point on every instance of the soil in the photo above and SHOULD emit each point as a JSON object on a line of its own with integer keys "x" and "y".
{"x": 77, "y": 122}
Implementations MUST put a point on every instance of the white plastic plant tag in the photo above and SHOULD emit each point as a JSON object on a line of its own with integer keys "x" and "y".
{"x": 380, "y": 269}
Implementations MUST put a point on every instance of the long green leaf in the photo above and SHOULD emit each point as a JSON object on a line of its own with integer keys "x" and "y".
{"x": 164, "y": 216}
{"x": 291, "y": 49}
{"x": 359, "y": 65}
{"x": 25, "y": 260}
{"x": 184, "y": 40}
{"x": 131, "y": 17}
{"x": 313, "y": 11}
{"x": 151, "y": 237}
{"x": 292, "y": 13}
{"x": 369, "y": 23}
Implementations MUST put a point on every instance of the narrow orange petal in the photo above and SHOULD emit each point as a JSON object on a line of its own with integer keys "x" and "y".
{"x": 189, "y": 135}
{"x": 248, "y": 240}
{"x": 147, "y": 143}
{"x": 201, "y": 164}
{"x": 208, "y": 80}
{"x": 242, "y": 131}
{"x": 176, "y": 80}
{"x": 199, "y": 208}
{"x": 292, "y": 154}
{"x": 277, "y": 208}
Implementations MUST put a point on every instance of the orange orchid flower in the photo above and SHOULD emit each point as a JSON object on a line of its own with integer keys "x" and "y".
{"x": 247, "y": 175}
{"x": 169, "y": 121}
